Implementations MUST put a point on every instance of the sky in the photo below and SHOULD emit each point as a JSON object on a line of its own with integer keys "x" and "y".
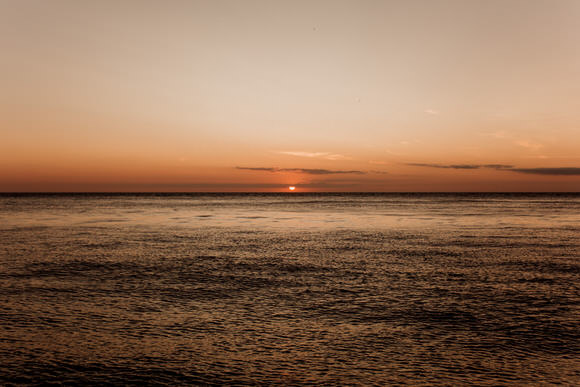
{"x": 324, "y": 95}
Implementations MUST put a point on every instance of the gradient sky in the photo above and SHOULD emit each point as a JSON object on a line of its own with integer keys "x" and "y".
{"x": 259, "y": 95}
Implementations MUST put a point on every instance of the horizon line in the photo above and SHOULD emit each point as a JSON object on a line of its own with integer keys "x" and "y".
{"x": 270, "y": 192}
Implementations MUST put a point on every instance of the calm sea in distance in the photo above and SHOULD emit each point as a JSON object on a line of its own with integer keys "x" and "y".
{"x": 290, "y": 289}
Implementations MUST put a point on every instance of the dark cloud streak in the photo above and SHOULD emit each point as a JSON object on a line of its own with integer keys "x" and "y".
{"x": 302, "y": 170}
{"x": 556, "y": 171}
{"x": 259, "y": 169}
{"x": 562, "y": 171}
{"x": 462, "y": 166}
{"x": 498, "y": 166}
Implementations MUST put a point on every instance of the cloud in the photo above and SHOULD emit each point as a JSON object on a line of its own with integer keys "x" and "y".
{"x": 334, "y": 157}
{"x": 462, "y": 166}
{"x": 458, "y": 166}
{"x": 303, "y": 154}
{"x": 559, "y": 171}
{"x": 259, "y": 169}
{"x": 320, "y": 171}
{"x": 432, "y": 112}
{"x": 521, "y": 142}
{"x": 320, "y": 155}
{"x": 555, "y": 171}
{"x": 308, "y": 171}
{"x": 543, "y": 157}
{"x": 498, "y": 134}
{"x": 534, "y": 146}
{"x": 497, "y": 166}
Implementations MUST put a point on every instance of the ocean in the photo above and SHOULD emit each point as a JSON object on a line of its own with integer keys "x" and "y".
{"x": 290, "y": 289}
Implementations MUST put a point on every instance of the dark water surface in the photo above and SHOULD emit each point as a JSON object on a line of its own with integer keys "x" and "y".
{"x": 290, "y": 289}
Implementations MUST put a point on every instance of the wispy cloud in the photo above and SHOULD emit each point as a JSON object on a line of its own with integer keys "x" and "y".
{"x": 554, "y": 171}
{"x": 259, "y": 169}
{"x": 498, "y": 134}
{"x": 432, "y": 112}
{"x": 303, "y": 154}
{"x": 321, "y": 171}
{"x": 497, "y": 166}
{"x": 542, "y": 157}
{"x": 516, "y": 140}
{"x": 320, "y": 155}
{"x": 534, "y": 146}
{"x": 461, "y": 166}
{"x": 308, "y": 171}
{"x": 334, "y": 157}
{"x": 559, "y": 171}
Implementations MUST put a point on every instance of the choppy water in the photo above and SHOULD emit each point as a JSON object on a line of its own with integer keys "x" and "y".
{"x": 290, "y": 289}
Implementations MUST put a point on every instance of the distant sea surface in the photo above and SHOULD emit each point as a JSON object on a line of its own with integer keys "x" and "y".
{"x": 262, "y": 289}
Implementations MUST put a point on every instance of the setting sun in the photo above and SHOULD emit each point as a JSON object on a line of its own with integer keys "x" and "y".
{"x": 291, "y": 188}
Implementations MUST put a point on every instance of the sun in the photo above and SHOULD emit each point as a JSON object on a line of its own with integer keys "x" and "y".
{"x": 291, "y": 188}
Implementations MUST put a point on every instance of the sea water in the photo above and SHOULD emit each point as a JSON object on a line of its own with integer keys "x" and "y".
{"x": 254, "y": 289}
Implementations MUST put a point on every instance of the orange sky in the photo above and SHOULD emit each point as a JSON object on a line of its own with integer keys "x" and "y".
{"x": 259, "y": 95}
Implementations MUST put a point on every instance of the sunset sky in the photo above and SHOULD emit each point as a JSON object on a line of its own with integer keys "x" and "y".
{"x": 260, "y": 95}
